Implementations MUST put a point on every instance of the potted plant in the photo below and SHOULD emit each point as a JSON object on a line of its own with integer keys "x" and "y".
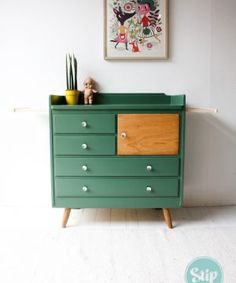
{"x": 72, "y": 93}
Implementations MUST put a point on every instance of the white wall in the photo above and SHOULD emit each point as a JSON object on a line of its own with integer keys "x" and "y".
{"x": 35, "y": 35}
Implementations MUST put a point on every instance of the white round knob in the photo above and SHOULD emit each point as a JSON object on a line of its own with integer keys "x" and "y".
{"x": 123, "y": 135}
{"x": 85, "y": 188}
{"x": 84, "y": 124}
{"x": 85, "y": 168}
{"x": 84, "y": 146}
{"x": 148, "y": 189}
{"x": 149, "y": 168}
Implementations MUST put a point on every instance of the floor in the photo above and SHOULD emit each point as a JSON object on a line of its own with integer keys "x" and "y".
{"x": 112, "y": 245}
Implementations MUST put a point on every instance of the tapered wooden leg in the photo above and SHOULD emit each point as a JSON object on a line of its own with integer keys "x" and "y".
{"x": 167, "y": 217}
{"x": 66, "y": 216}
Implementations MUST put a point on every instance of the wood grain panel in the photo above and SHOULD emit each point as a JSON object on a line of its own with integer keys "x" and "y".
{"x": 148, "y": 134}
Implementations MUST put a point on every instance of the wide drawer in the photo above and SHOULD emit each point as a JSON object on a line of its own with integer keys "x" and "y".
{"x": 64, "y": 122}
{"x": 84, "y": 145}
{"x": 116, "y": 166}
{"x": 115, "y": 187}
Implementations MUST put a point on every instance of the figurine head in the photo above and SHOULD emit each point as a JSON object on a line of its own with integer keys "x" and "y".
{"x": 88, "y": 83}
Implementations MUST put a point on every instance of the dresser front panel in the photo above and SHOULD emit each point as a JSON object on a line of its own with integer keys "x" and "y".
{"x": 124, "y": 154}
{"x": 116, "y": 187}
{"x": 84, "y": 144}
{"x": 117, "y": 166}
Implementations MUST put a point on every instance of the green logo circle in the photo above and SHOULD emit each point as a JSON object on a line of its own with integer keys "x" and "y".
{"x": 204, "y": 270}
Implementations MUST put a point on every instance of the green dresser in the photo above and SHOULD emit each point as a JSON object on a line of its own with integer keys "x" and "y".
{"x": 124, "y": 151}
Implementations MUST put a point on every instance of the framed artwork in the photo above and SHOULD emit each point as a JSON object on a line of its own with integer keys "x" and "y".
{"x": 135, "y": 29}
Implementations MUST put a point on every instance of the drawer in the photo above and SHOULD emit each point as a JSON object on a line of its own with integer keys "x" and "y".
{"x": 115, "y": 187}
{"x": 83, "y": 123}
{"x": 84, "y": 145}
{"x": 116, "y": 166}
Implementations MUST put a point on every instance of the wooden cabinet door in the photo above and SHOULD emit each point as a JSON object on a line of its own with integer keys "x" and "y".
{"x": 148, "y": 134}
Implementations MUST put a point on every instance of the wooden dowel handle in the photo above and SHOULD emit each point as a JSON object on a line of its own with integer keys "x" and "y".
{"x": 29, "y": 109}
{"x": 188, "y": 109}
{"x": 201, "y": 110}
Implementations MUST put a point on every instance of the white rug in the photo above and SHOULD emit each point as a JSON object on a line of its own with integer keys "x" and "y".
{"x": 123, "y": 246}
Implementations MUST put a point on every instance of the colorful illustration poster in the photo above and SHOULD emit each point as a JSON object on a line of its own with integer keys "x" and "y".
{"x": 136, "y": 29}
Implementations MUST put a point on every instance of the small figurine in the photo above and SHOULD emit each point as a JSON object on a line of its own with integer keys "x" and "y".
{"x": 89, "y": 91}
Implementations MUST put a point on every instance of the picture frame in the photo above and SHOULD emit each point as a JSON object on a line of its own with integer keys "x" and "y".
{"x": 135, "y": 29}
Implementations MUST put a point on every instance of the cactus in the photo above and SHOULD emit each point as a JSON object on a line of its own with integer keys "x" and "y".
{"x": 71, "y": 72}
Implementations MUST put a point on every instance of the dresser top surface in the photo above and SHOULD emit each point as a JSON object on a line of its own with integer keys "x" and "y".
{"x": 109, "y": 101}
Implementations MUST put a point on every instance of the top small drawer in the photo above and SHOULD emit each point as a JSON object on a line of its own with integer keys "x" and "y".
{"x": 65, "y": 122}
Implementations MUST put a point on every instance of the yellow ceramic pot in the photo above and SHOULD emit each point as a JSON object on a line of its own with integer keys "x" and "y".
{"x": 72, "y": 96}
